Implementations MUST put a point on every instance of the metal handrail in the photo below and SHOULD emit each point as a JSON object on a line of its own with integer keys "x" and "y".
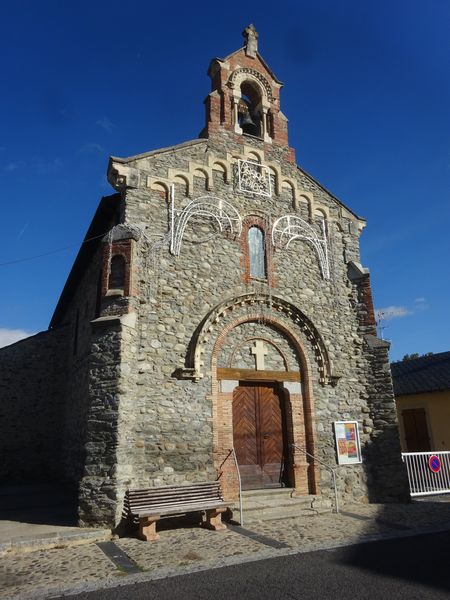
{"x": 332, "y": 471}
{"x": 241, "y": 518}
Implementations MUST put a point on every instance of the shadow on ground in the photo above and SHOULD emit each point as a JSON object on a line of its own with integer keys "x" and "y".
{"x": 427, "y": 559}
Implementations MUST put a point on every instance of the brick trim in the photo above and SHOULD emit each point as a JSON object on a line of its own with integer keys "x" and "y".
{"x": 261, "y": 223}
{"x": 300, "y": 409}
{"x": 122, "y": 248}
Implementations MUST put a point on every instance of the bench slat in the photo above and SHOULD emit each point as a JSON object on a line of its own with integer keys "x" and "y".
{"x": 173, "y": 495}
{"x": 166, "y": 505}
{"x": 162, "y": 492}
{"x": 208, "y": 492}
{"x": 176, "y": 510}
{"x": 183, "y": 502}
{"x": 172, "y": 500}
{"x": 213, "y": 484}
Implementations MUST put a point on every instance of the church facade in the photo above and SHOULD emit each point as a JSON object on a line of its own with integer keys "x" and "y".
{"x": 224, "y": 320}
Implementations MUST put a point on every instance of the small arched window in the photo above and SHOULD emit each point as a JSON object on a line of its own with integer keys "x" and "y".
{"x": 117, "y": 273}
{"x": 257, "y": 253}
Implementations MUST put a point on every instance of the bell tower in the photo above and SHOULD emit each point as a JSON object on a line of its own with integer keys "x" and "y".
{"x": 245, "y": 97}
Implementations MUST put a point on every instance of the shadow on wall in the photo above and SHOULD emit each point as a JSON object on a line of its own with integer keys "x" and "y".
{"x": 385, "y": 471}
{"x": 38, "y": 504}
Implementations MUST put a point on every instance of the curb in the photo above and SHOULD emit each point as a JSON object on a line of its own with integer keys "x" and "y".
{"x": 48, "y": 541}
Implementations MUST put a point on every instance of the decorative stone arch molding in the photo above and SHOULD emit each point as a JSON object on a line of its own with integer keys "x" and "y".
{"x": 307, "y": 199}
{"x": 268, "y": 309}
{"x": 181, "y": 178}
{"x": 242, "y": 74}
{"x": 161, "y": 186}
{"x": 222, "y": 167}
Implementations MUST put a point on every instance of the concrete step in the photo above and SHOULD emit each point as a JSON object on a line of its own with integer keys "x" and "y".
{"x": 268, "y": 494}
{"x": 260, "y": 505}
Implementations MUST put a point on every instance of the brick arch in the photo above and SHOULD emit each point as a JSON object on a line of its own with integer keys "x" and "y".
{"x": 300, "y": 414}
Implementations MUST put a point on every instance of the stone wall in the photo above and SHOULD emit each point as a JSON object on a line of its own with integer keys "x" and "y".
{"x": 79, "y": 313}
{"x": 32, "y": 394}
{"x": 167, "y": 423}
{"x": 100, "y": 436}
{"x": 79, "y": 306}
{"x": 386, "y": 473}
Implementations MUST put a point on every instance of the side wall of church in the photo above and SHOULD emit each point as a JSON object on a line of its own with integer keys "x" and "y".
{"x": 77, "y": 315}
{"x": 32, "y": 392}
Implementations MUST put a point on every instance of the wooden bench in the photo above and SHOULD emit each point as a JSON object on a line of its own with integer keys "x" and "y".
{"x": 149, "y": 505}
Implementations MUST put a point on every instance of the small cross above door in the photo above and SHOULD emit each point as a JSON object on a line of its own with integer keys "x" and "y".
{"x": 260, "y": 351}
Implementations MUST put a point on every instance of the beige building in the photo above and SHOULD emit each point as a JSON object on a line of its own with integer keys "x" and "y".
{"x": 422, "y": 395}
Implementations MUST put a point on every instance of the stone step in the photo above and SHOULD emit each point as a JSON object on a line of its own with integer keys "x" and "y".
{"x": 268, "y": 493}
{"x": 260, "y": 505}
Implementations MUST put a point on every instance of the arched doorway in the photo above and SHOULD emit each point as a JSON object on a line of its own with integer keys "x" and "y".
{"x": 298, "y": 350}
{"x": 260, "y": 434}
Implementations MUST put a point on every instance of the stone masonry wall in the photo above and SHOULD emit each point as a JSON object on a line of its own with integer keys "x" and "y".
{"x": 78, "y": 316}
{"x": 32, "y": 392}
{"x": 166, "y": 434}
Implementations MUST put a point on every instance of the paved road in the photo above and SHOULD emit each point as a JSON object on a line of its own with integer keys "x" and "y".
{"x": 409, "y": 568}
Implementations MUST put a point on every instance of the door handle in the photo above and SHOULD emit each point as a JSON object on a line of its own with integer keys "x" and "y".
{"x": 266, "y": 436}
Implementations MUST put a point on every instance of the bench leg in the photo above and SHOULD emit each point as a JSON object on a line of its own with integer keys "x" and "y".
{"x": 147, "y": 529}
{"x": 214, "y": 519}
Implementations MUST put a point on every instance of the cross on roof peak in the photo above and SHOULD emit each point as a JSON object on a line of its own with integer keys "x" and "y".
{"x": 251, "y": 40}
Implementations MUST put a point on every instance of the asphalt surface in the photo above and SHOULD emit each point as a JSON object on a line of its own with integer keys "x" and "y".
{"x": 410, "y": 568}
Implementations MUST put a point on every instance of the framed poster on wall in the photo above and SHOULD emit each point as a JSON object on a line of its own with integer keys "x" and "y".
{"x": 348, "y": 446}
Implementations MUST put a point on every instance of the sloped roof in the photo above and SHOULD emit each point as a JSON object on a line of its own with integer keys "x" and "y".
{"x": 330, "y": 193}
{"x": 423, "y": 374}
{"x": 105, "y": 215}
{"x": 263, "y": 62}
{"x": 128, "y": 159}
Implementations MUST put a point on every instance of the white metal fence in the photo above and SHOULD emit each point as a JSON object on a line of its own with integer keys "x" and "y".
{"x": 428, "y": 472}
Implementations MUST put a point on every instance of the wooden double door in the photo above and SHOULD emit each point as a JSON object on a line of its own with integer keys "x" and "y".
{"x": 259, "y": 435}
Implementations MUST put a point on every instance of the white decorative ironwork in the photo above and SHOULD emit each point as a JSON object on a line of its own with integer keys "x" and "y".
{"x": 254, "y": 178}
{"x": 207, "y": 208}
{"x": 290, "y": 227}
{"x": 423, "y": 479}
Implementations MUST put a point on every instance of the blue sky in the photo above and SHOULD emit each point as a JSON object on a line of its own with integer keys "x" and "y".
{"x": 367, "y": 94}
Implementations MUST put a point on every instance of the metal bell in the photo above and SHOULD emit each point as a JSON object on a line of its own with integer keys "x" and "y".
{"x": 248, "y": 125}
